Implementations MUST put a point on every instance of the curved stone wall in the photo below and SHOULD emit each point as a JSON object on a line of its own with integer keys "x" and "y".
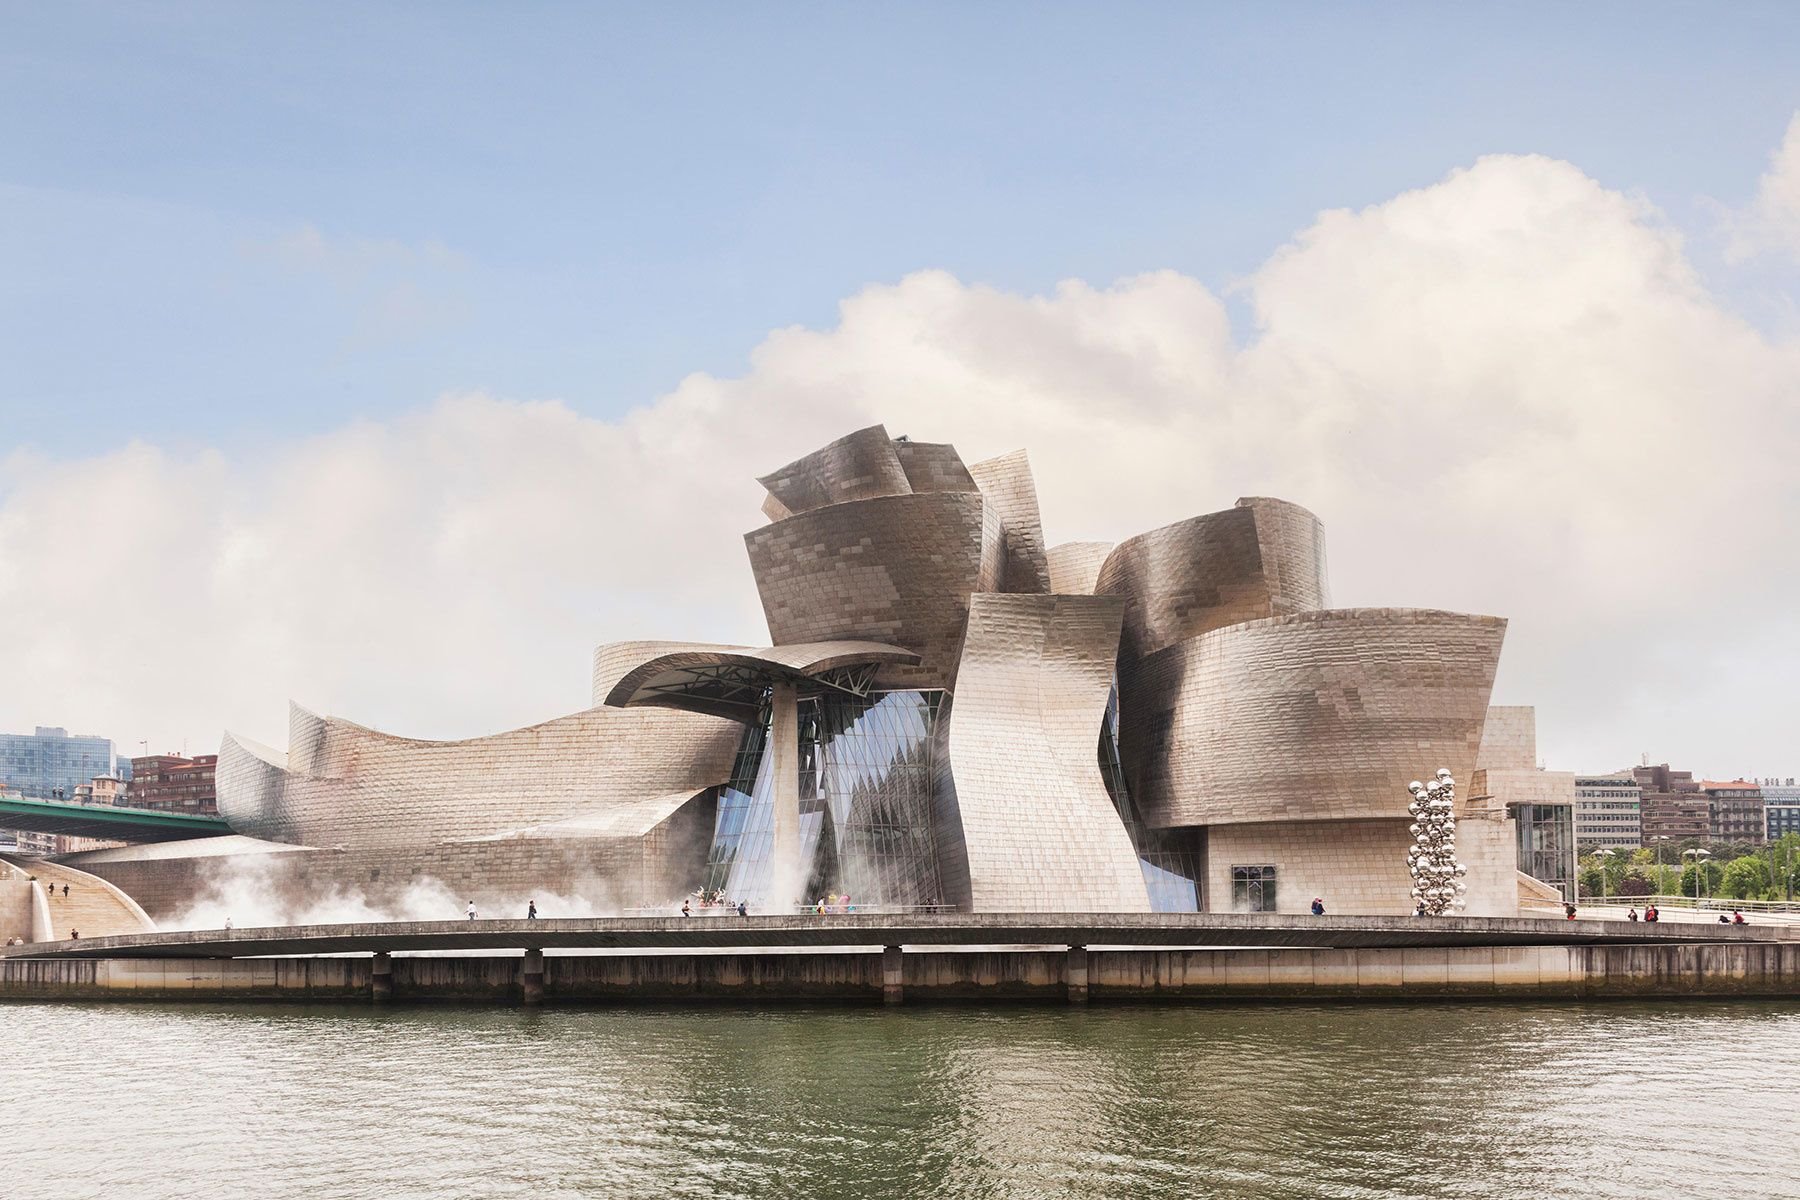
{"x": 896, "y": 569}
{"x": 1263, "y": 558}
{"x": 1032, "y": 826}
{"x": 1317, "y": 716}
{"x": 346, "y": 785}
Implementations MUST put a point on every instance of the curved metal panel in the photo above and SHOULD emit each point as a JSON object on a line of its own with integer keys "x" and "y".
{"x": 933, "y": 466}
{"x": 363, "y": 788}
{"x": 857, "y": 466}
{"x": 897, "y": 570}
{"x": 1263, "y": 558}
{"x": 1007, "y": 483}
{"x": 1075, "y": 567}
{"x": 1317, "y": 716}
{"x": 1038, "y": 831}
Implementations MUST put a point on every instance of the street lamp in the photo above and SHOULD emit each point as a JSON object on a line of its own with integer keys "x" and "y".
{"x": 1604, "y": 855}
{"x": 1699, "y": 857}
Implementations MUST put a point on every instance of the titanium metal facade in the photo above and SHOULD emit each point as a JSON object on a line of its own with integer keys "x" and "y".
{"x": 949, "y": 714}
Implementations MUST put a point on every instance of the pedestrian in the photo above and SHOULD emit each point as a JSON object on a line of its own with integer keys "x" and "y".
{"x": 74, "y": 935}
{"x": 1651, "y": 914}
{"x": 743, "y": 909}
{"x": 471, "y": 910}
{"x": 1724, "y": 920}
{"x": 65, "y": 891}
{"x": 684, "y": 909}
{"x": 227, "y": 924}
{"x": 1737, "y": 918}
{"x": 1569, "y": 911}
{"x": 531, "y": 910}
{"x": 1419, "y": 911}
{"x": 1631, "y": 913}
{"x": 1318, "y": 906}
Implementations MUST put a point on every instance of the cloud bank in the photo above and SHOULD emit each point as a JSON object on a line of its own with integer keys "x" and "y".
{"x": 1507, "y": 392}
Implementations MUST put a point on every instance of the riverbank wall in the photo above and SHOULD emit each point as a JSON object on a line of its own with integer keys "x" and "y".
{"x": 1143, "y": 976}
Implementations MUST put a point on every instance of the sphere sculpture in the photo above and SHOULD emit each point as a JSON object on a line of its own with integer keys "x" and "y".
{"x": 1437, "y": 877}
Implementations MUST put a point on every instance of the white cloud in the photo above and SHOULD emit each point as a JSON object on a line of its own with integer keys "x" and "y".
{"x": 1507, "y": 392}
{"x": 1772, "y": 221}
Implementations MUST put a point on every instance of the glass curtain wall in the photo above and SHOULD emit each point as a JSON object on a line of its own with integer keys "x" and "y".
{"x": 1169, "y": 858}
{"x": 866, "y": 769}
{"x": 1547, "y": 844}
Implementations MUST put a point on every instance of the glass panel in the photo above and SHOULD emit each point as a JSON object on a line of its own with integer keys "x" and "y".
{"x": 866, "y": 772}
{"x": 1169, "y": 858}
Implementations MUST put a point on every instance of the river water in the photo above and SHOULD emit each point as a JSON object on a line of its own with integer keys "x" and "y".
{"x": 1616, "y": 1100}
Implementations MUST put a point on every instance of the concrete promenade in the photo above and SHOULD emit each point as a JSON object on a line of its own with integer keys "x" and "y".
{"x": 1266, "y": 930}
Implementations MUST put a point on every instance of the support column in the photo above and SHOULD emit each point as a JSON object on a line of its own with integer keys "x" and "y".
{"x": 893, "y": 980}
{"x": 381, "y": 978}
{"x": 784, "y": 746}
{"x": 1077, "y": 974}
{"x": 531, "y": 978}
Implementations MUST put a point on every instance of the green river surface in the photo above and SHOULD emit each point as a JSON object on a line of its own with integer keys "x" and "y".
{"x": 1531, "y": 1100}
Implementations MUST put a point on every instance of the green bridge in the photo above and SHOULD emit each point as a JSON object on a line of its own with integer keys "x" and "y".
{"x": 106, "y": 821}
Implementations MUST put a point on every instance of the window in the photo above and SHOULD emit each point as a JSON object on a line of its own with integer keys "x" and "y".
{"x": 1253, "y": 889}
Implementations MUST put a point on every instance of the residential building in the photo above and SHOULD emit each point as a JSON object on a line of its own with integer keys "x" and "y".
{"x": 1673, "y": 807}
{"x": 1607, "y": 812}
{"x": 51, "y": 763}
{"x": 1781, "y": 807}
{"x": 1735, "y": 811}
{"x": 175, "y": 784}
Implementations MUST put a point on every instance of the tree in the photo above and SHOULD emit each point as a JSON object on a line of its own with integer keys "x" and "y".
{"x": 1709, "y": 886}
{"x": 1745, "y": 878}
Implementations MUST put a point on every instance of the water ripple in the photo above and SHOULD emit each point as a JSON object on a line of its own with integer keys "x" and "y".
{"x": 1346, "y": 1102}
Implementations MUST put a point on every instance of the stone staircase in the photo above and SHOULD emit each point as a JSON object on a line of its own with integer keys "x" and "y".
{"x": 93, "y": 906}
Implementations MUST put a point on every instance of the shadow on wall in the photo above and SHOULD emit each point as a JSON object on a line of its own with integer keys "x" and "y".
{"x": 258, "y": 893}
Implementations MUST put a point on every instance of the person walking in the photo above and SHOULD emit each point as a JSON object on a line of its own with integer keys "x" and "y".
{"x": 65, "y": 891}
{"x": 684, "y": 909}
{"x": 471, "y": 910}
{"x": 1318, "y": 906}
{"x": 743, "y": 909}
{"x": 1569, "y": 912}
{"x": 1737, "y": 918}
{"x": 1631, "y": 913}
{"x": 1651, "y": 915}
{"x": 531, "y": 910}
{"x": 74, "y": 935}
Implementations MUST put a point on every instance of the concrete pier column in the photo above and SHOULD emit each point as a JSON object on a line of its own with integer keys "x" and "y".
{"x": 381, "y": 977}
{"x": 531, "y": 978}
{"x": 893, "y": 981}
{"x": 1077, "y": 974}
{"x": 784, "y": 749}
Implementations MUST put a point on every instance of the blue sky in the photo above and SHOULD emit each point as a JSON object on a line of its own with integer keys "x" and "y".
{"x": 393, "y": 356}
{"x": 227, "y": 223}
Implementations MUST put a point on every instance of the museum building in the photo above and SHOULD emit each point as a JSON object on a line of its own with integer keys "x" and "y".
{"x": 950, "y": 714}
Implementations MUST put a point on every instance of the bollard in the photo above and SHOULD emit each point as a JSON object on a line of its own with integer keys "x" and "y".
{"x": 893, "y": 990}
{"x": 381, "y": 977}
{"x": 531, "y": 978}
{"x": 1077, "y": 974}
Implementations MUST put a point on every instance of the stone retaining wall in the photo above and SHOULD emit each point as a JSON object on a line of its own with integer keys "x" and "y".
{"x": 1118, "y": 976}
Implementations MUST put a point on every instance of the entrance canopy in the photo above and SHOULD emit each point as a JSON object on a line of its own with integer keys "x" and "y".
{"x": 729, "y": 681}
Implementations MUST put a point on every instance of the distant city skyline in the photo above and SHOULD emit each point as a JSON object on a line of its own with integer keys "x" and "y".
{"x": 390, "y": 360}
